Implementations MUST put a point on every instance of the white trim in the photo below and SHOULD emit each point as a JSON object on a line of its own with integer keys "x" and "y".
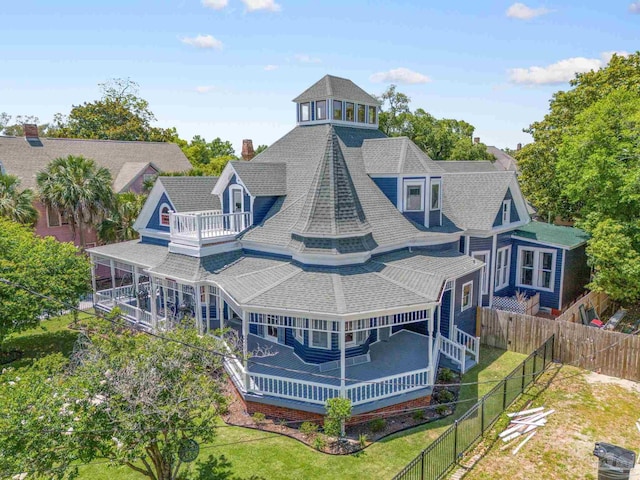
{"x": 266, "y": 333}
{"x": 462, "y": 306}
{"x": 150, "y": 205}
{"x": 236, "y": 188}
{"x": 169, "y": 212}
{"x": 486, "y": 273}
{"x": 507, "y": 266}
{"x": 435, "y": 181}
{"x": 505, "y": 210}
{"x": 408, "y": 183}
{"x": 561, "y": 292}
{"x": 153, "y": 233}
{"x": 205, "y": 250}
{"x": 536, "y": 264}
{"x": 467, "y": 244}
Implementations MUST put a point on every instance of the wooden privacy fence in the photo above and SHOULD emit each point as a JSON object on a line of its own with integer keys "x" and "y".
{"x": 610, "y": 353}
{"x": 597, "y": 300}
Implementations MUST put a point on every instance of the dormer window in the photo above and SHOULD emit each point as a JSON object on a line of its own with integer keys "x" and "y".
{"x": 165, "y": 215}
{"x": 361, "y": 114}
{"x": 372, "y": 115}
{"x": 305, "y": 112}
{"x": 435, "y": 195}
{"x": 350, "y": 112}
{"x": 506, "y": 212}
{"x": 337, "y": 109}
{"x": 413, "y": 200}
{"x": 321, "y": 110}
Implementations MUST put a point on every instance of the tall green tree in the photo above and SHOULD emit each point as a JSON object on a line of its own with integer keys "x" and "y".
{"x": 537, "y": 161}
{"x": 16, "y": 204}
{"x": 44, "y": 265}
{"x": 207, "y": 158}
{"x": 120, "y": 114}
{"x": 441, "y": 139}
{"x": 117, "y": 226}
{"x": 78, "y": 187}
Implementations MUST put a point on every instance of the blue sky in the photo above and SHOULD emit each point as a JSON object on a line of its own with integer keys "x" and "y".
{"x": 230, "y": 68}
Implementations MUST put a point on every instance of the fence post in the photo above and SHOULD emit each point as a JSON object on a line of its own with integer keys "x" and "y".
{"x": 544, "y": 358}
{"x": 504, "y": 395}
{"x": 455, "y": 443}
{"x": 422, "y": 469}
{"x": 482, "y": 415}
{"x": 535, "y": 367}
{"x": 524, "y": 372}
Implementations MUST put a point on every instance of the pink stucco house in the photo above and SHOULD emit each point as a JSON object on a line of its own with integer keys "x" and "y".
{"x": 130, "y": 164}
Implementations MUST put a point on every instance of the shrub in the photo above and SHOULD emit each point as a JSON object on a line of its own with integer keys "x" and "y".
{"x": 338, "y": 411}
{"x": 377, "y": 425}
{"x": 362, "y": 438}
{"x": 446, "y": 375}
{"x": 319, "y": 443}
{"x": 418, "y": 415}
{"x": 445, "y": 396}
{"x": 309, "y": 428}
{"x": 442, "y": 409}
{"x": 259, "y": 418}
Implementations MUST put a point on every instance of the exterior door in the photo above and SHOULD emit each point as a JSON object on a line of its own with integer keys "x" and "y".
{"x": 237, "y": 207}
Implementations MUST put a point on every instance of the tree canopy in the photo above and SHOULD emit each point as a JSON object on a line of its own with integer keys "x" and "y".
{"x": 441, "y": 139}
{"x": 117, "y": 226}
{"x": 44, "y": 265}
{"x": 207, "y": 158}
{"x": 16, "y": 204}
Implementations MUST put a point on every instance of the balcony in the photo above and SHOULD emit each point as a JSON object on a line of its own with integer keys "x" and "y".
{"x": 213, "y": 226}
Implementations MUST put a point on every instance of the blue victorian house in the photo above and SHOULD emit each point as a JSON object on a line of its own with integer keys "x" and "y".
{"x": 355, "y": 257}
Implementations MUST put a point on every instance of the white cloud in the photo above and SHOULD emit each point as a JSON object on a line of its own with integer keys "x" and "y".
{"x": 303, "y": 58}
{"x": 270, "y": 68}
{"x": 634, "y": 7}
{"x": 205, "y": 88}
{"x": 522, "y": 12}
{"x": 255, "y": 5}
{"x": 215, "y": 4}
{"x": 561, "y": 71}
{"x": 203, "y": 41}
{"x": 400, "y": 75}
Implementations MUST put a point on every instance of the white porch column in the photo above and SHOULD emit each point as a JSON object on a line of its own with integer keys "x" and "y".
{"x": 112, "y": 266}
{"x": 430, "y": 346}
{"x": 153, "y": 301}
{"x": 134, "y": 290}
{"x": 492, "y": 273}
{"x": 245, "y": 350}
{"x": 93, "y": 277}
{"x": 207, "y": 302}
{"x": 343, "y": 365}
{"x": 198, "y": 294}
{"x": 164, "y": 301}
{"x": 220, "y": 308}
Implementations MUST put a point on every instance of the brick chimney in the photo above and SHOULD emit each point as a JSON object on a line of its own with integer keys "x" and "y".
{"x": 30, "y": 130}
{"x": 476, "y": 140}
{"x": 518, "y": 147}
{"x": 247, "y": 149}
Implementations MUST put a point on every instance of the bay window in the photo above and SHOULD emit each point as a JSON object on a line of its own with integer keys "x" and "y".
{"x": 536, "y": 267}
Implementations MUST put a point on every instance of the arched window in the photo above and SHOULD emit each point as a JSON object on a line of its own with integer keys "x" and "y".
{"x": 164, "y": 214}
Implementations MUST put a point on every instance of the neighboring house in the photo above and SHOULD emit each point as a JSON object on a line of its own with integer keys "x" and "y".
{"x": 503, "y": 160}
{"x": 130, "y": 164}
{"x": 354, "y": 257}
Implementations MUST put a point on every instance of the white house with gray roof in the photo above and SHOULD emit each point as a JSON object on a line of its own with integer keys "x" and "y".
{"x": 355, "y": 257}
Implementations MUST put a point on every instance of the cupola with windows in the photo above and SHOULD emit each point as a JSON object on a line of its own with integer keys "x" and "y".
{"x": 338, "y": 101}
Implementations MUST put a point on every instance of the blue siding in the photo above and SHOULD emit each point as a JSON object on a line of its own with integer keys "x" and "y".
{"x": 226, "y": 207}
{"x": 321, "y": 355}
{"x": 261, "y": 206}
{"x": 547, "y": 299}
{"x": 466, "y": 321}
{"x": 154, "y": 241}
{"x": 477, "y": 244}
{"x": 418, "y": 327}
{"x": 445, "y": 314}
{"x": 388, "y": 186}
{"x": 417, "y": 217}
{"x": 576, "y": 274}
{"x": 434, "y": 218}
{"x": 154, "y": 221}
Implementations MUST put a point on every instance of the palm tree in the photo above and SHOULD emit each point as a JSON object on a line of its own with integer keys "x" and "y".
{"x": 118, "y": 225}
{"x": 15, "y": 204}
{"x": 77, "y": 187}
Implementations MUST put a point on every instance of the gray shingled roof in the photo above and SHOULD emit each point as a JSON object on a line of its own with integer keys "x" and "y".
{"x": 466, "y": 166}
{"x": 338, "y": 88}
{"x": 392, "y": 280}
{"x": 127, "y": 174}
{"x": 472, "y": 200}
{"x": 135, "y": 252}
{"x": 504, "y": 161}
{"x": 21, "y": 159}
{"x": 191, "y": 194}
{"x": 395, "y": 156}
{"x": 262, "y": 179}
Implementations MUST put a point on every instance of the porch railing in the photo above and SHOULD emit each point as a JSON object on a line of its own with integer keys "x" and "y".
{"x": 471, "y": 343}
{"x": 388, "y": 386}
{"x": 198, "y": 226}
{"x": 453, "y": 350}
{"x": 293, "y": 389}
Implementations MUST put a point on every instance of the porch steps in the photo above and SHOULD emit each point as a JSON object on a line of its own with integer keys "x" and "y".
{"x": 446, "y": 362}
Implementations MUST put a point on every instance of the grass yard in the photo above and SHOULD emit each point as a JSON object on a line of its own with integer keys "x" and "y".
{"x": 589, "y": 408}
{"x": 272, "y": 456}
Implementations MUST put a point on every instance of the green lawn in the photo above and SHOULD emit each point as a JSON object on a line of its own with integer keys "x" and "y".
{"x": 272, "y": 456}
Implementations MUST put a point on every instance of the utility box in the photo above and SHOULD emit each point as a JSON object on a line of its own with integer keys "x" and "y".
{"x": 616, "y": 462}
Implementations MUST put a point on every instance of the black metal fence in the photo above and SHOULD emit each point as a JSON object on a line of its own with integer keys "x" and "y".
{"x": 436, "y": 460}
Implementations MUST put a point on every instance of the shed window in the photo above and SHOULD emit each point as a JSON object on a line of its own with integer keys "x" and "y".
{"x": 361, "y": 114}
{"x": 536, "y": 268}
{"x": 337, "y": 109}
{"x": 372, "y": 114}
{"x": 321, "y": 110}
{"x": 350, "y": 110}
{"x": 305, "y": 112}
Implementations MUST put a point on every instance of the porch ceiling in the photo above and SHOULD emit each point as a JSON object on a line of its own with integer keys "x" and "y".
{"x": 404, "y": 352}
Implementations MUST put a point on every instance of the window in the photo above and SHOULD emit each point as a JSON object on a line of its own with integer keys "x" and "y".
{"x": 372, "y": 114}
{"x": 350, "y": 112}
{"x": 53, "y": 218}
{"x": 467, "y": 296}
{"x": 305, "y": 112}
{"x": 503, "y": 257}
{"x": 165, "y": 215}
{"x": 536, "y": 268}
{"x": 361, "y": 114}
{"x": 319, "y": 335}
{"x": 413, "y": 201}
{"x": 337, "y": 109}
{"x": 506, "y": 212}
{"x": 435, "y": 195}
{"x": 272, "y": 333}
{"x": 298, "y": 333}
{"x": 148, "y": 177}
{"x": 321, "y": 110}
{"x": 483, "y": 257}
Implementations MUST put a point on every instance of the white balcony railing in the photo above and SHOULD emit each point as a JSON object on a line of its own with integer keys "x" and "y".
{"x": 453, "y": 350}
{"x": 199, "y": 226}
{"x": 388, "y": 386}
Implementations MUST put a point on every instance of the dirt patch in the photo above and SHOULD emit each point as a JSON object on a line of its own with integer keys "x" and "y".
{"x": 595, "y": 378}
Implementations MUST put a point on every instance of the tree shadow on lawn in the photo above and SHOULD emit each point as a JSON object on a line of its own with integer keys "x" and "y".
{"x": 38, "y": 345}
